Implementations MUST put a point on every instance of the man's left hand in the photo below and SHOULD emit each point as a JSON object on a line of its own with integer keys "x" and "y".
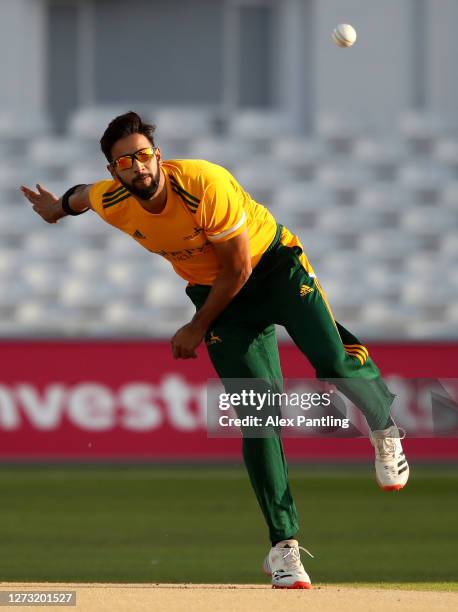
{"x": 186, "y": 340}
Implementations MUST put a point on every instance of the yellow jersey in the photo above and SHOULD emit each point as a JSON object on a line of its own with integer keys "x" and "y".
{"x": 205, "y": 205}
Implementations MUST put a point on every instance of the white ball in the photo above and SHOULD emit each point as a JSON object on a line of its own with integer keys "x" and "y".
{"x": 344, "y": 35}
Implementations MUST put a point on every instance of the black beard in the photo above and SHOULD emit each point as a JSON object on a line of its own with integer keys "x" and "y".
{"x": 143, "y": 193}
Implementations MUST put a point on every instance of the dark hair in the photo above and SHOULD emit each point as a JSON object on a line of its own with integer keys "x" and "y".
{"x": 122, "y": 126}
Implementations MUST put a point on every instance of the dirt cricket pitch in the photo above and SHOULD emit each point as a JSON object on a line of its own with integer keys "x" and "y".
{"x": 238, "y": 598}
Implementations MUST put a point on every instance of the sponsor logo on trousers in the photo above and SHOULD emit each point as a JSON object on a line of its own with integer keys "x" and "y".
{"x": 305, "y": 290}
{"x": 212, "y": 339}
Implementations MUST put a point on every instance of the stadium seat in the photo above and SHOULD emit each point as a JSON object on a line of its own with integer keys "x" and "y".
{"x": 389, "y": 243}
{"x": 131, "y": 279}
{"x": 391, "y": 197}
{"x": 122, "y": 318}
{"x": 19, "y": 219}
{"x": 13, "y": 293}
{"x": 20, "y": 127}
{"x": 184, "y": 122}
{"x": 49, "y": 244}
{"x": 87, "y": 262}
{"x": 302, "y": 155}
{"x": 9, "y": 262}
{"x": 87, "y": 172}
{"x": 377, "y": 309}
{"x": 164, "y": 291}
{"x": 428, "y": 219}
{"x": 350, "y": 219}
{"x": 259, "y": 126}
{"x": 445, "y": 151}
{"x": 424, "y": 180}
{"x": 418, "y": 172}
{"x": 343, "y": 264}
{"x": 340, "y": 132}
{"x": 317, "y": 245}
{"x": 382, "y": 156}
{"x": 418, "y": 264}
{"x": 302, "y": 196}
{"x": 421, "y": 129}
{"x": 338, "y": 173}
{"x": 80, "y": 292}
{"x": 418, "y": 329}
{"x": 90, "y": 122}
{"x": 44, "y": 278}
{"x": 449, "y": 245}
{"x": 262, "y": 176}
{"x": 60, "y": 152}
{"x": 227, "y": 152}
{"x": 451, "y": 315}
{"x": 343, "y": 293}
{"x": 296, "y": 150}
{"x": 14, "y": 174}
{"x": 36, "y": 317}
{"x": 120, "y": 244}
{"x": 88, "y": 226}
{"x": 448, "y": 197}
{"x": 143, "y": 321}
{"x": 427, "y": 292}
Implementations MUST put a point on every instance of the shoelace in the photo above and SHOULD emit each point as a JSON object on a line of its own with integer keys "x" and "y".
{"x": 295, "y": 557}
{"x": 387, "y": 446}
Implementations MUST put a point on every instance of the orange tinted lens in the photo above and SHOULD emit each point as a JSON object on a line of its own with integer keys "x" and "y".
{"x": 123, "y": 163}
{"x": 144, "y": 155}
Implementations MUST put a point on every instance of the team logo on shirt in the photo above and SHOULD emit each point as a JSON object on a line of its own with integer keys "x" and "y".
{"x": 305, "y": 290}
{"x": 138, "y": 234}
{"x": 195, "y": 234}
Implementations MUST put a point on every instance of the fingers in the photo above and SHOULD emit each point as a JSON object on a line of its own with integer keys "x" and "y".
{"x": 25, "y": 190}
{"x": 41, "y": 190}
{"x": 181, "y": 352}
{"x": 30, "y": 195}
{"x": 184, "y": 355}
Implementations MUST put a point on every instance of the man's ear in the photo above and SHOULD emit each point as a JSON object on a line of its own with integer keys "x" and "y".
{"x": 158, "y": 155}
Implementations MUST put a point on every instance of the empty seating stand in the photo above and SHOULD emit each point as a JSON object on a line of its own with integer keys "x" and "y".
{"x": 375, "y": 214}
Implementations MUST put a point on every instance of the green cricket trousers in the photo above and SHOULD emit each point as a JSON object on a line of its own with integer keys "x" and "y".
{"x": 242, "y": 344}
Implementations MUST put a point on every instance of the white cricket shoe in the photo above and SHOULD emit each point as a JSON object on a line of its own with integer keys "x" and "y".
{"x": 283, "y": 563}
{"x": 391, "y": 467}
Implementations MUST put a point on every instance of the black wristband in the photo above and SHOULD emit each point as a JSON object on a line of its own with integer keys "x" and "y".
{"x": 65, "y": 204}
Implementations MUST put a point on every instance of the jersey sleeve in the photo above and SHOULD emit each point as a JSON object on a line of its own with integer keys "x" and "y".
{"x": 96, "y": 193}
{"x": 222, "y": 215}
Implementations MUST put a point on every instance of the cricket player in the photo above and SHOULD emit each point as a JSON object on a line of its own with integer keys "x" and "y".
{"x": 245, "y": 273}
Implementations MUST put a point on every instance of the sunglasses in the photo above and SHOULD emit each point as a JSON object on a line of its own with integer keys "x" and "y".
{"x": 125, "y": 162}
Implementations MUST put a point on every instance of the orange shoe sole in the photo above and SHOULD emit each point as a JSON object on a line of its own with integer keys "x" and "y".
{"x": 296, "y": 585}
{"x": 390, "y": 487}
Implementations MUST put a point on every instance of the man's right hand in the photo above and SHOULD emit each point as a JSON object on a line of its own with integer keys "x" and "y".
{"x": 44, "y": 203}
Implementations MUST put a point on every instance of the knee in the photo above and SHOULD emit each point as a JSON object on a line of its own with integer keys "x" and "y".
{"x": 334, "y": 367}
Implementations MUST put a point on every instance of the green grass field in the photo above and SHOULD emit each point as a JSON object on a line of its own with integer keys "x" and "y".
{"x": 156, "y": 524}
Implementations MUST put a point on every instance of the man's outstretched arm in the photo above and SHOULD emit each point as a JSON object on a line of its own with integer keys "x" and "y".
{"x": 49, "y": 206}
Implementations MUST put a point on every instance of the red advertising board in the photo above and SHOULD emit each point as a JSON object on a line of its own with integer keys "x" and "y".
{"x": 129, "y": 400}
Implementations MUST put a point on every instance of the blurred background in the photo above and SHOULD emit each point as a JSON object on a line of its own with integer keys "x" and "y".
{"x": 356, "y": 150}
